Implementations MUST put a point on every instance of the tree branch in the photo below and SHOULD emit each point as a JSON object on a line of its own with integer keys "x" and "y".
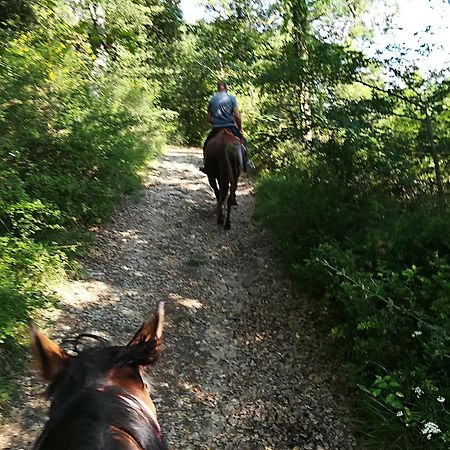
{"x": 389, "y": 92}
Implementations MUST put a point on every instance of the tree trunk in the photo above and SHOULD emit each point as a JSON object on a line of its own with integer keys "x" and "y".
{"x": 434, "y": 155}
{"x": 300, "y": 32}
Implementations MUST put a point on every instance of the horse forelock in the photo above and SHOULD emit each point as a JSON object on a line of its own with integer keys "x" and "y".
{"x": 85, "y": 369}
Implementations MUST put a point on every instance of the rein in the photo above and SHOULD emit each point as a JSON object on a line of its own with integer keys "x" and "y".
{"x": 138, "y": 407}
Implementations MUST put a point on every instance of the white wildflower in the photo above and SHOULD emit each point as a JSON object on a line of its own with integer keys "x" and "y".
{"x": 418, "y": 391}
{"x": 416, "y": 333}
{"x": 400, "y": 414}
{"x": 429, "y": 429}
{"x": 440, "y": 399}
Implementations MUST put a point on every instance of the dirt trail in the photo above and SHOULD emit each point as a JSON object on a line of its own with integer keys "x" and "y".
{"x": 242, "y": 366}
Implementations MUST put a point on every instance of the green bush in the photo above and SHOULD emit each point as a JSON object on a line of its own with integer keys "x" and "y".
{"x": 380, "y": 268}
{"x": 84, "y": 140}
{"x": 75, "y": 139}
{"x": 25, "y": 266}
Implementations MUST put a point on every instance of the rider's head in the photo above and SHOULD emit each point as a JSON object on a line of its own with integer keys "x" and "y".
{"x": 222, "y": 86}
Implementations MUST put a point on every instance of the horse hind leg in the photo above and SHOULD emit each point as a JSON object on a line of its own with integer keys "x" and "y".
{"x": 220, "y": 202}
{"x": 220, "y": 213}
{"x": 213, "y": 183}
{"x": 231, "y": 201}
{"x": 219, "y": 208}
{"x": 222, "y": 198}
{"x": 228, "y": 218}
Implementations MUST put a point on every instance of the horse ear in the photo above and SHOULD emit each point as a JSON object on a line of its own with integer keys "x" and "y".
{"x": 150, "y": 330}
{"x": 50, "y": 358}
{"x": 144, "y": 347}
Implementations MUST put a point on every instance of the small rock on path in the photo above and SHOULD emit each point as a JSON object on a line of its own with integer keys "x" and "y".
{"x": 243, "y": 366}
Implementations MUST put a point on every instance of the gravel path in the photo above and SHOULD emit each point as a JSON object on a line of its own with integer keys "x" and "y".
{"x": 243, "y": 365}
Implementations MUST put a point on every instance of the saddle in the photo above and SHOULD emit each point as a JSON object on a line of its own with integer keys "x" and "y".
{"x": 230, "y": 135}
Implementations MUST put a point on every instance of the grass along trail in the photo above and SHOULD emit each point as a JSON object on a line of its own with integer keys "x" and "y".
{"x": 243, "y": 366}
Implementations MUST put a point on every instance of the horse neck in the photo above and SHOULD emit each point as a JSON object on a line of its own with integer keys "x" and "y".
{"x": 86, "y": 422}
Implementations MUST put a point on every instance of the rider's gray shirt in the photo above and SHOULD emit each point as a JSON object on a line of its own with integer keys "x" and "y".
{"x": 221, "y": 108}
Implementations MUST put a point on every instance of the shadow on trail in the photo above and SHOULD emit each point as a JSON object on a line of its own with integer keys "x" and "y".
{"x": 242, "y": 365}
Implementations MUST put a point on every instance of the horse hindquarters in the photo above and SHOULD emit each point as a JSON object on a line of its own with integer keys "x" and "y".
{"x": 222, "y": 166}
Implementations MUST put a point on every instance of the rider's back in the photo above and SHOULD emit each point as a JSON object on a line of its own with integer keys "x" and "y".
{"x": 221, "y": 108}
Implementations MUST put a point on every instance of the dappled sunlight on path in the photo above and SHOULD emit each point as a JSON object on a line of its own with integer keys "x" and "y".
{"x": 242, "y": 366}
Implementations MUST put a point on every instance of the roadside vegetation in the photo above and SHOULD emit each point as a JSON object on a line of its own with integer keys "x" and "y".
{"x": 353, "y": 157}
{"x": 79, "y": 119}
{"x": 352, "y": 152}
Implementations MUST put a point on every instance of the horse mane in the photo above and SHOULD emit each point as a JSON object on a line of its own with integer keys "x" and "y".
{"x": 77, "y": 342}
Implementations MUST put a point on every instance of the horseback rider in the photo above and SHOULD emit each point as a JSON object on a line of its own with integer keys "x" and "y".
{"x": 223, "y": 112}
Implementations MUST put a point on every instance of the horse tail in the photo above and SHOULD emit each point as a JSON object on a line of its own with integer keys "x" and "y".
{"x": 229, "y": 166}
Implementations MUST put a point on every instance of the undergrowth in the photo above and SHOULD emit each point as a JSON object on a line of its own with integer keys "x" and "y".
{"x": 74, "y": 141}
{"x": 380, "y": 269}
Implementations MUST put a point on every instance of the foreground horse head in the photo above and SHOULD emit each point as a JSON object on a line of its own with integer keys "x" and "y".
{"x": 223, "y": 166}
{"x": 99, "y": 399}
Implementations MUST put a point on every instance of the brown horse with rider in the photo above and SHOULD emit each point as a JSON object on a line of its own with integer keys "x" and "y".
{"x": 223, "y": 167}
{"x": 224, "y": 150}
